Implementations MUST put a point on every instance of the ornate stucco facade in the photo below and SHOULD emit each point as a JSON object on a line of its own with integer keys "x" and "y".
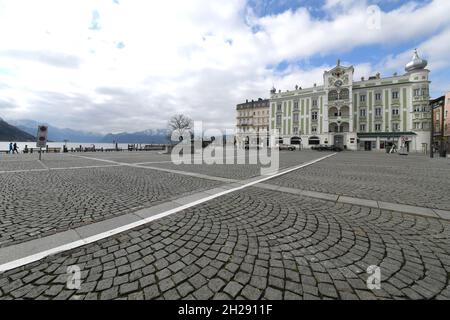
{"x": 366, "y": 114}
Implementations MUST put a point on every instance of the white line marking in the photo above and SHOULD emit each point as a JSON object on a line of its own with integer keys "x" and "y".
{"x": 43, "y": 165}
{"x": 60, "y": 168}
{"x": 78, "y": 243}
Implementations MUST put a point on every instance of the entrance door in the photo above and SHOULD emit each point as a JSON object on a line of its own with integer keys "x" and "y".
{"x": 368, "y": 145}
{"x": 407, "y": 145}
{"x": 339, "y": 141}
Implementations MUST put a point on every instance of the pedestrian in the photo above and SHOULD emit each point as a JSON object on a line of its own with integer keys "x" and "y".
{"x": 10, "y": 147}
{"x": 15, "y": 148}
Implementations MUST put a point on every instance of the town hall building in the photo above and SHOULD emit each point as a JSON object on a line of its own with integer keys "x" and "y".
{"x": 369, "y": 114}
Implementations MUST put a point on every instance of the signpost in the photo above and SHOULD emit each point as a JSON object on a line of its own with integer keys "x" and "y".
{"x": 41, "y": 138}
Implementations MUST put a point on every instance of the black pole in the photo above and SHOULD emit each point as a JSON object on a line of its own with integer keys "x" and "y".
{"x": 432, "y": 131}
{"x": 442, "y": 129}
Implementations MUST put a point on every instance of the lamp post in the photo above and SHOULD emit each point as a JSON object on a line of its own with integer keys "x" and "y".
{"x": 442, "y": 128}
{"x": 432, "y": 133}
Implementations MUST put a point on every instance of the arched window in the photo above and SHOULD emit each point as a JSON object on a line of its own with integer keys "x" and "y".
{"x": 314, "y": 141}
{"x": 343, "y": 94}
{"x": 332, "y": 95}
{"x": 296, "y": 140}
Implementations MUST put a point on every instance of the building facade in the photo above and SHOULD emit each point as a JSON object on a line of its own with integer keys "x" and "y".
{"x": 369, "y": 114}
{"x": 252, "y": 122}
{"x": 441, "y": 123}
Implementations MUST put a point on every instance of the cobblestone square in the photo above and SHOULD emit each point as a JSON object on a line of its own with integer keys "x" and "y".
{"x": 252, "y": 243}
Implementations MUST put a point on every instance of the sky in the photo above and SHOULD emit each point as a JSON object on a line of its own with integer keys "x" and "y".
{"x": 129, "y": 65}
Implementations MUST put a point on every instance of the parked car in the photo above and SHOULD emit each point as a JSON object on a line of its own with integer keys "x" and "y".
{"x": 289, "y": 147}
{"x": 319, "y": 147}
{"x": 323, "y": 147}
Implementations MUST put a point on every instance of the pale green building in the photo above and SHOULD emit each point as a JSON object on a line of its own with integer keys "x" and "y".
{"x": 368, "y": 114}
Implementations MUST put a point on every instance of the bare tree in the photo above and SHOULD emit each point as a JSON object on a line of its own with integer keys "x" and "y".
{"x": 179, "y": 125}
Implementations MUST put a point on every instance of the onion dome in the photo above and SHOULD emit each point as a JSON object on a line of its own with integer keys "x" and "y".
{"x": 417, "y": 63}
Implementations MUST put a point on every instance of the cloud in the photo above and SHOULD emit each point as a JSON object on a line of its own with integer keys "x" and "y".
{"x": 113, "y": 66}
{"x": 55, "y": 59}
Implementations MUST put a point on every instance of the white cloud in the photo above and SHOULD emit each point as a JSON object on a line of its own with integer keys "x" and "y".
{"x": 196, "y": 57}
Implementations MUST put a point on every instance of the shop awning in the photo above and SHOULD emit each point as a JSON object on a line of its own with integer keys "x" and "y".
{"x": 385, "y": 134}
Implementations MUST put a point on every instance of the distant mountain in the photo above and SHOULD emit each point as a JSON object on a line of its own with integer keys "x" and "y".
{"x": 58, "y": 134}
{"x": 13, "y": 134}
{"x": 61, "y": 134}
{"x": 147, "y": 136}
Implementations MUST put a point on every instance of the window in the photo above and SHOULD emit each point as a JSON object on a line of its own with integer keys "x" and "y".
{"x": 278, "y": 120}
{"x": 343, "y": 95}
{"x": 394, "y": 95}
{"x": 425, "y": 125}
{"x": 314, "y": 115}
{"x": 296, "y": 117}
{"x": 362, "y": 98}
{"x": 378, "y": 112}
{"x": 395, "y": 127}
{"x": 314, "y": 129}
{"x": 279, "y": 107}
{"x": 295, "y": 105}
{"x": 377, "y": 96}
{"x": 332, "y": 95}
{"x": 425, "y": 92}
{"x": 416, "y": 92}
{"x": 395, "y": 112}
{"x": 295, "y": 130}
{"x": 314, "y": 141}
{"x": 377, "y": 127}
{"x": 416, "y": 125}
{"x": 362, "y": 113}
{"x": 314, "y": 103}
{"x": 362, "y": 127}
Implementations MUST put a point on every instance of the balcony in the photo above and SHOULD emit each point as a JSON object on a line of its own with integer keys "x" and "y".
{"x": 418, "y": 115}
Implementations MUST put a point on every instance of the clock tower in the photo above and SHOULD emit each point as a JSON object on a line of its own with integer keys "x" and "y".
{"x": 338, "y": 115}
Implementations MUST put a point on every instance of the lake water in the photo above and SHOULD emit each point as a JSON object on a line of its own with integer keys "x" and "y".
{"x": 21, "y": 145}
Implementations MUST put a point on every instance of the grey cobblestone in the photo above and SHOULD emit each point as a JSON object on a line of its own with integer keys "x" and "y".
{"x": 66, "y": 199}
{"x": 377, "y": 176}
{"x": 282, "y": 246}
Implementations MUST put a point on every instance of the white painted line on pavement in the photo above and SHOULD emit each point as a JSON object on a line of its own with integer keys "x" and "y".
{"x": 74, "y": 244}
{"x": 43, "y": 165}
{"x": 60, "y": 168}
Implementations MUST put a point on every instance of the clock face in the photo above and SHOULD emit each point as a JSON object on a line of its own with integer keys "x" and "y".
{"x": 338, "y": 83}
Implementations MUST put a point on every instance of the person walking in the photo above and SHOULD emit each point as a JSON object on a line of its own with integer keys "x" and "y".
{"x": 10, "y": 148}
{"x": 15, "y": 148}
